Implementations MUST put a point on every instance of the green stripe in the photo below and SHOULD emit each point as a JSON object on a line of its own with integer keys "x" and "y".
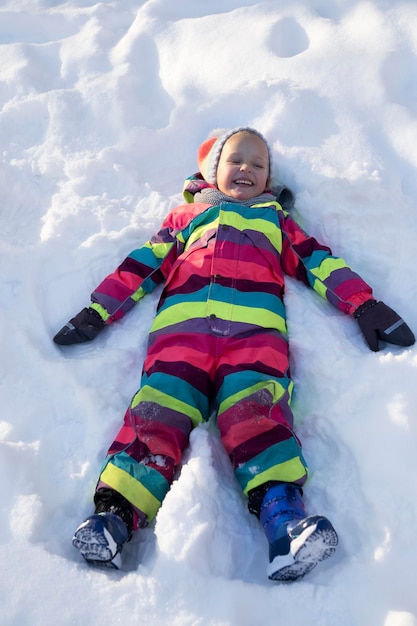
{"x": 293, "y": 471}
{"x": 147, "y": 393}
{"x": 200, "y": 231}
{"x": 259, "y": 218}
{"x": 143, "y": 486}
{"x": 276, "y": 389}
{"x": 104, "y": 314}
{"x": 283, "y": 461}
{"x": 208, "y": 216}
{"x": 322, "y": 266}
{"x": 248, "y": 315}
{"x": 252, "y": 299}
{"x": 178, "y": 313}
{"x": 238, "y": 381}
{"x": 151, "y": 254}
{"x": 184, "y": 390}
{"x": 184, "y": 311}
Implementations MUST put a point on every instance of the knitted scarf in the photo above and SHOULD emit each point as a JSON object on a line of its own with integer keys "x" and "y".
{"x": 209, "y": 195}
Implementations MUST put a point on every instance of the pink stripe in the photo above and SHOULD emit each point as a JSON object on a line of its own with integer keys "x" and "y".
{"x": 161, "y": 439}
{"x": 179, "y": 352}
{"x": 182, "y": 215}
{"x": 250, "y": 355}
{"x": 247, "y": 429}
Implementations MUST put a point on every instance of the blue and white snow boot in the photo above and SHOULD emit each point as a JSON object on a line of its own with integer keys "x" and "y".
{"x": 100, "y": 539}
{"x": 296, "y": 543}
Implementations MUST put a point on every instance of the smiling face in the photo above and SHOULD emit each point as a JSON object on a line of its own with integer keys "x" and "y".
{"x": 243, "y": 169}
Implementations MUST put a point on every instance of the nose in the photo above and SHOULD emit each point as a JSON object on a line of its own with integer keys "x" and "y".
{"x": 245, "y": 167}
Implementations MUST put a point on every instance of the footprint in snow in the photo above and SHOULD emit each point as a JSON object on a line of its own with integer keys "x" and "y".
{"x": 288, "y": 38}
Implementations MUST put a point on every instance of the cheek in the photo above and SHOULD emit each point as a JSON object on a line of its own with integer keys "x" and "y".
{"x": 224, "y": 176}
{"x": 222, "y": 182}
{"x": 263, "y": 180}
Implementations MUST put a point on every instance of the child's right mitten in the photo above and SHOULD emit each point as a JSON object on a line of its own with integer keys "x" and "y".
{"x": 378, "y": 322}
{"x": 83, "y": 327}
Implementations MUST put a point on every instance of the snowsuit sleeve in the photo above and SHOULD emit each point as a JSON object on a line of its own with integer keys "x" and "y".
{"x": 306, "y": 259}
{"x": 141, "y": 271}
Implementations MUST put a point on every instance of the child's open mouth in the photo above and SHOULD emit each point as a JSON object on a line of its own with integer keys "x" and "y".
{"x": 242, "y": 181}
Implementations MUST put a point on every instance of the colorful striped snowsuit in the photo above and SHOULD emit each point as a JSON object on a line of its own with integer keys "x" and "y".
{"x": 218, "y": 341}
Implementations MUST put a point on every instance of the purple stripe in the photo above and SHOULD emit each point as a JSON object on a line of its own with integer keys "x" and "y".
{"x": 194, "y": 283}
{"x": 144, "y": 413}
{"x": 112, "y": 305}
{"x": 335, "y": 281}
{"x": 261, "y": 241}
{"x": 201, "y": 325}
{"x": 247, "y": 450}
{"x": 256, "y": 366}
{"x": 132, "y": 266}
{"x": 232, "y": 237}
{"x": 194, "y": 376}
{"x": 139, "y": 452}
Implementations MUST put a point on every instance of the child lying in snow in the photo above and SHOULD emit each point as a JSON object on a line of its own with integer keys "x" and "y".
{"x": 219, "y": 340}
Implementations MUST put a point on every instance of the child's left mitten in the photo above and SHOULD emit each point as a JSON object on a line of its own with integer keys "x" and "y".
{"x": 83, "y": 327}
{"x": 378, "y": 321}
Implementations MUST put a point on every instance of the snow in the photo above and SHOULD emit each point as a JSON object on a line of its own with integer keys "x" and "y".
{"x": 102, "y": 107}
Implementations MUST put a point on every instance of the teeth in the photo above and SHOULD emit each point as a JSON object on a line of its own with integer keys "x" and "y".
{"x": 243, "y": 182}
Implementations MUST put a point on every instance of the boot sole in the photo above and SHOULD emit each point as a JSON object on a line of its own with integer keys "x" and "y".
{"x": 97, "y": 548}
{"x": 315, "y": 543}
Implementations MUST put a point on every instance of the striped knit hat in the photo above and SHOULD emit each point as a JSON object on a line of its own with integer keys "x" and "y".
{"x": 210, "y": 150}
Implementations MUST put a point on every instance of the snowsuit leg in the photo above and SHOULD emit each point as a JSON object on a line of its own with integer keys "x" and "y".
{"x": 255, "y": 420}
{"x": 173, "y": 398}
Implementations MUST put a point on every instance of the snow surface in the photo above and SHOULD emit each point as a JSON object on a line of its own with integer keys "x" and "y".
{"x": 102, "y": 107}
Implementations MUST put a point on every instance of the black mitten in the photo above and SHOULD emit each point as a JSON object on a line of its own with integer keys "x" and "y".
{"x": 377, "y": 321}
{"x": 83, "y": 327}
